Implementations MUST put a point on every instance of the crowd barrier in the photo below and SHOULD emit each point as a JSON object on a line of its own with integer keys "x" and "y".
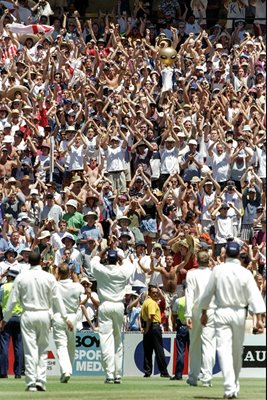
{"x": 88, "y": 356}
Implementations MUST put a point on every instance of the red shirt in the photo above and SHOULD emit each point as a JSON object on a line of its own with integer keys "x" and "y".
{"x": 192, "y": 263}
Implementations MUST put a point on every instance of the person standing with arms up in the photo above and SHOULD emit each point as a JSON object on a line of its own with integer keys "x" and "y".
{"x": 152, "y": 339}
{"x": 70, "y": 292}
{"x": 112, "y": 276}
{"x": 37, "y": 292}
{"x": 234, "y": 288}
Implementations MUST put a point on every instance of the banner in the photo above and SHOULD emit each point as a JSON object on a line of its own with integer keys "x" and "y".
{"x": 87, "y": 360}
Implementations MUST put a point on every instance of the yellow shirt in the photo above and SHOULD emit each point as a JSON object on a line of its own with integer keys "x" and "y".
{"x": 150, "y": 309}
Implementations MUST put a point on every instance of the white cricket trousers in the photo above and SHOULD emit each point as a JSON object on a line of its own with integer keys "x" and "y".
{"x": 65, "y": 342}
{"x": 110, "y": 316}
{"x": 230, "y": 331}
{"x": 35, "y": 327}
{"x": 202, "y": 347}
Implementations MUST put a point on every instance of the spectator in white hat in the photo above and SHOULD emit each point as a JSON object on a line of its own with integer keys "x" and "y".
{"x": 192, "y": 162}
{"x": 74, "y": 218}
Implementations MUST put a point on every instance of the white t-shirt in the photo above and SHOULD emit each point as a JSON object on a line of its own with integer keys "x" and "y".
{"x": 169, "y": 161}
{"x": 261, "y": 156}
{"x": 220, "y": 167}
{"x": 223, "y": 228}
{"x": 115, "y": 159}
{"x": 77, "y": 155}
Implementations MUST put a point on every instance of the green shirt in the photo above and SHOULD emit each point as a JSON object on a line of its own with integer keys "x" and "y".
{"x": 7, "y": 287}
{"x": 74, "y": 220}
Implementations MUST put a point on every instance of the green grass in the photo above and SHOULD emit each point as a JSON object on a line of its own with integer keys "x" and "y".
{"x": 84, "y": 388}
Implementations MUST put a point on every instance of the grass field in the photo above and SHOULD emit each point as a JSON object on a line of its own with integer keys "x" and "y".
{"x": 81, "y": 388}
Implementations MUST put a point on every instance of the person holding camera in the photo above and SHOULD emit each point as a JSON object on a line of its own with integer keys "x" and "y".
{"x": 112, "y": 273}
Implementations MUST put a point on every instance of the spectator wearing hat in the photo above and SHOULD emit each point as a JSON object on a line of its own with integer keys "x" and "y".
{"x": 142, "y": 152}
{"x": 232, "y": 195}
{"x": 156, "y": 257}
{"x": 223, "y": 225}
{"x": 192, "y": 162}
{"x": 77, "y": 149}
{"x": 141, "y": 264}
{"x": 91, "y": 230}
{"x": 133, "y": 312}
{"x": 42, "y": 161}
{"x": 12, "y": 202}
{"x": 33, "y": 207}
{"x": 51, "y": 211}
{"x": 69, "y": 243}
{"x": 42, "y": 245}
{"x": 11, "y": 330}
{"x": 251, "y": 199}
{"x": 115, "y": 153}
{"x": 89, "y": 305}
{"x": 74, "y": 218}
{"x": 239, "y": 164}
{"x": 169, "y": 159}
{"x": 220, "y": 161}
{"x": 9, "y": 262}
{"x": 208, "y": 189}
{"x": 76, "y": 191}
{"x": 121, "y": 226}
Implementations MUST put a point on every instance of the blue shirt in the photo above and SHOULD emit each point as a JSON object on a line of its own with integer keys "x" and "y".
{"x": 86, "y": 232}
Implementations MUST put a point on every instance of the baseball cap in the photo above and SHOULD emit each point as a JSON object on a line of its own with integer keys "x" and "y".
{"x": 252, "y": 190}
{"x": 232, "y": 249}
{"x": 192, "y": 141}
{"x": 13, "y": 273}
{"x": 112, "y": 256}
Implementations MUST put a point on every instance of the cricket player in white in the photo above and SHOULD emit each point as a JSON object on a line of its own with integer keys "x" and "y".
{"x": 112, "y": 279}
{"x": 65, "y": 339}
{"x": 234, "y": 288}
{"x": 202, "y": 341}
{"x": 37, "y": 292}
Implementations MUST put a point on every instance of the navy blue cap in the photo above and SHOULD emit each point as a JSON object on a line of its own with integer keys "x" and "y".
{"x": 112, "y": 256}
{"x": 232, "y": 249}
{"x": 13, "y": 273}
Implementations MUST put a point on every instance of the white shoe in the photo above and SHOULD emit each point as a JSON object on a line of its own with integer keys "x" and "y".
{"x": 207, "y": 384}
{"x": 31, "y": 388}
{"x": 65, "y": 378}
{"x": 40, "y": 387}
{"x": 230, "y": 396}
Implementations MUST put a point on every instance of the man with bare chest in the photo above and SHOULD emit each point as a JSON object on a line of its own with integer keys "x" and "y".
{"x": 6, "y": 165}
{"x": 169, "y": 280}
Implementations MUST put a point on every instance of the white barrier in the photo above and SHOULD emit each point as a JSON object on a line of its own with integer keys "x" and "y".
{"x": 88, "y": 356}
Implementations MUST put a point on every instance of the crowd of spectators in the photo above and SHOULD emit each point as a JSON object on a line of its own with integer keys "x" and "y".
{"x": 102, "y": 144}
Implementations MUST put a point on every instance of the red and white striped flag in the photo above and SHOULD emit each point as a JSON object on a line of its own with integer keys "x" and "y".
{"x": 26, "y": 29}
